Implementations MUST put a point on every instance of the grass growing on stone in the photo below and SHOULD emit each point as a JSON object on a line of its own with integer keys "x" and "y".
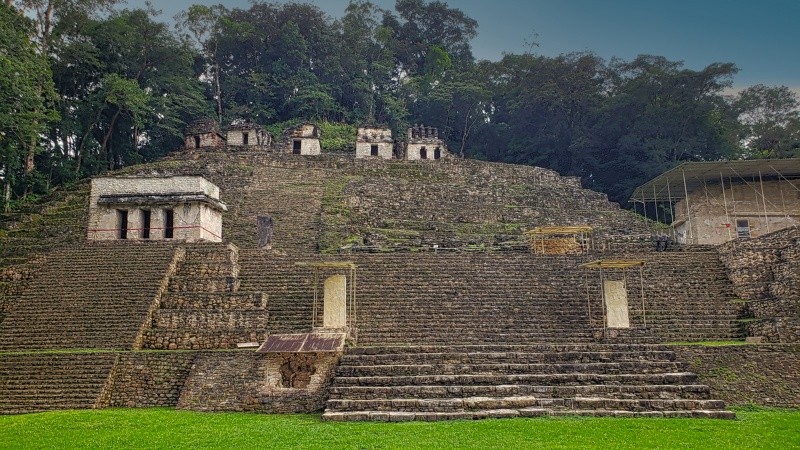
{"x": 708, "y": 343}
{"x": 166, "y": 428}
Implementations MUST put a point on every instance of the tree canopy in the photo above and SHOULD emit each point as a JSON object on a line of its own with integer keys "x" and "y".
{"x": 86, "y": 86}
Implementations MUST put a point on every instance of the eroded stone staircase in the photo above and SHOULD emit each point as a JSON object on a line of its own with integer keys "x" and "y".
{"x": 90, "y": 297}
{"x": 203, "y": 307}
{"x": 493, "y": 381}
{"x": 37, "y": 382}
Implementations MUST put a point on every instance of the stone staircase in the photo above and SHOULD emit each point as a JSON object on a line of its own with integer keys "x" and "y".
{"x": 493, "y": 381}
{"x": 503, "y": 297}
{"x": 94, "y": 296}
{"x": 45, "y": 381}
{"x": 203, "y": 307}
{"x": 58, "y": 222}
{"x": 689, "y": 296}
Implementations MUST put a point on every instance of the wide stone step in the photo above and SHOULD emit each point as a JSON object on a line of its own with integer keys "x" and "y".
{"x": 507, "y": 356}
{"x": 397, "y": 416}
{"x": 484, "y": 403}
{"x": 502, "y": 379}
{"x": 663, "y": 391}
{"x": 510, "y": 368}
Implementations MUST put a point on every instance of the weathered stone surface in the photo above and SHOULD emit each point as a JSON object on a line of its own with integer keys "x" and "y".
{"x": 335, "y": 302}
{"x": 764, "y": 274}
{"x": 146, "y": 379}
{"x": 616, "y": 298}
{"x": 248, "y": 381}
{"x": 760, "y": 374}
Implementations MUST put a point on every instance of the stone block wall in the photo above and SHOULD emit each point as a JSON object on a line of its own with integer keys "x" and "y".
{"x": 765, "y": 274}
{"x": 193, "y": 202}
{"x": 767, "y": 375}
{"x": 380, "y": 137}
{"x": 147, "y": 379}
{"x": 248, "y": 381}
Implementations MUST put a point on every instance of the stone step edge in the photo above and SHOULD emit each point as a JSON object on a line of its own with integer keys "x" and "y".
{"x": 396, "y": 416}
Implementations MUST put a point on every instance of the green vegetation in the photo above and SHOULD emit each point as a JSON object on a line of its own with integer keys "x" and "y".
{"x": 335, "y": 216}
{"x": 708, "y": 343}
{"x": 71, "y": 108}
{"x": 337, "y": 137}
{"x": 154, "y": 428}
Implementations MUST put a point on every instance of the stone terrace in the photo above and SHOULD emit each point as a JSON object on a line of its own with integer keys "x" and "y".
{"x": 95, "y": 296}
{"x": 483, "y": 328}
{"x": 330, "y": 203}
{"x": 203, "y": 307}
{"x": 44, "y": 382}
{"x": 475, "y": 382}
{"x": 501, "y": 297}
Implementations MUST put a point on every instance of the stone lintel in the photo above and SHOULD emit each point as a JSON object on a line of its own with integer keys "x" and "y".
{"x": 161, "y": 199}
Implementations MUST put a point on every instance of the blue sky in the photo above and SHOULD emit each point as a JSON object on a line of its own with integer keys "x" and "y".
{"x": 761, "y": 37}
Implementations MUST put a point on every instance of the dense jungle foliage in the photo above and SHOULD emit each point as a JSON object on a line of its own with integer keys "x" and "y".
{"x": 87, "y": 86}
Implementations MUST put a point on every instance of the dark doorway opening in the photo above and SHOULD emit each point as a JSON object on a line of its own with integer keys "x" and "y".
{"x": 196, "y": 141}
{"x": 437, "y": 153}
{"x": 296, "y": 145}
{"x": 373, "y": 150}
{"x": 122, "y": 223}
{"x": 245, "y": 139}
{"x": 169, "y": 223}
{"x": 145, "y": 224}
{"x": 423, "y": 153}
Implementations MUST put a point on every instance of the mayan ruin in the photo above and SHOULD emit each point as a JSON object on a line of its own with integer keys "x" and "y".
{"x": 299, "y": 223}
{"x": 377, "y": 287}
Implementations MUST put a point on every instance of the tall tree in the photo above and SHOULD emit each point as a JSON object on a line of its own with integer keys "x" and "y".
{"x": 26, "y": 96}
{"x": 770, "y": 121}
{"x": 205, "y": 25}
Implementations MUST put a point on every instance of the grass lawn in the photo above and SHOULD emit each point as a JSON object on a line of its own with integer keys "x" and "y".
{"x": 166, "y": 428}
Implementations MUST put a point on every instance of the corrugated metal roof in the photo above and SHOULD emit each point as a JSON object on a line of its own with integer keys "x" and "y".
{"x": 670, "y": 184}
{"x": 612, "y": 264}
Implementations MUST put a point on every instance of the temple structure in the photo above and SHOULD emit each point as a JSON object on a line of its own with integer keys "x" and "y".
{"x": 718, "y": 201}
{"x": 185, "y": 208}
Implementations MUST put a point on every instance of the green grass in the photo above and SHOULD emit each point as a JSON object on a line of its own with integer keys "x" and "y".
{"x": 166, "y": 428}
{"x": 708, "y": 343}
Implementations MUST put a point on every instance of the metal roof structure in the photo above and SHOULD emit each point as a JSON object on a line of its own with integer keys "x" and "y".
{"x": 670, "y": 186}
{"x": 559, "y": 230}
{"x": 327, "y": 264}
{"x": 612, "y": 264}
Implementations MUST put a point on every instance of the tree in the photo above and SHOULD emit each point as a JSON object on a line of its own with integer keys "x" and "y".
{"x": 26, "y": 95}
{"x": 657, "y": 114}
{"x": 205, "y": 24}
{"x": 770, "y": 121}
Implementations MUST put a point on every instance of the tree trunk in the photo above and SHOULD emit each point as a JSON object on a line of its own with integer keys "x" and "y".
{"x": 107, "y": 137}
{"x": 48, "y": 18}
{"x": 7, "y": 192}
{"x": 217, "y": 88}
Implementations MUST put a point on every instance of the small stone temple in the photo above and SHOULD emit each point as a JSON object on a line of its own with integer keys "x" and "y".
{"x": 424, "y": 143}
{"x": 374, "y": 141}
{"x": 185, "y": 208}
{"x": 247, "y": 134}
{"x": 301, "y": 140}
{"x": 718, "y": 201}
{"x": 203, "y": 133}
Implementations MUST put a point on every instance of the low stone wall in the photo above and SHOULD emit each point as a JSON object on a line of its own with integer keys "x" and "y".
{"x": 249, "y": 381}
{"x": 145, "y": 379}
{"x": 767, "y": 375}
{"x": 764, "y": 272}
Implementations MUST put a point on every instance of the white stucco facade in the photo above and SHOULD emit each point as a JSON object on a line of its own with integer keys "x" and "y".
{"x": 372, "y": 142}
{"x": 185, "y": 208}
